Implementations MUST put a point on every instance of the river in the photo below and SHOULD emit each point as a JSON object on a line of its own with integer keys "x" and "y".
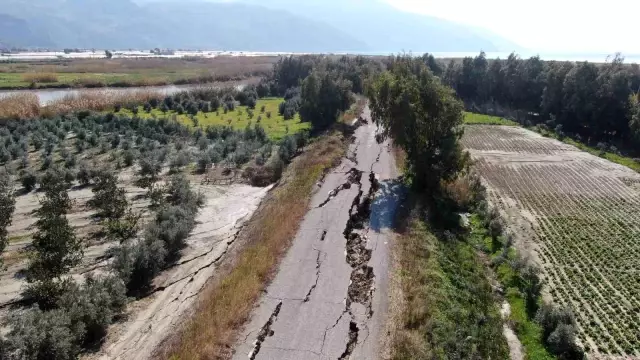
{"x": 46, "y": 96}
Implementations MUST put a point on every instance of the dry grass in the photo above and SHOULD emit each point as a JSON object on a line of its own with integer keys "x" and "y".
{"x": 224, "y": 307}
{"x": 100, "y": 100}
{"x": 350, "y": 115}
{"x": 19, "y": 106}
{"x": 40, "y": 77}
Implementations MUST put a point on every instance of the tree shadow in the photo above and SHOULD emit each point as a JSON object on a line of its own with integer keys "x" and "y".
{"x": 385, "y": 204}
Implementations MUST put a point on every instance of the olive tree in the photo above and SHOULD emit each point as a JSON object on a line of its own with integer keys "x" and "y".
{"x": 55, "y": 248}
{"x": 7, "y": 206}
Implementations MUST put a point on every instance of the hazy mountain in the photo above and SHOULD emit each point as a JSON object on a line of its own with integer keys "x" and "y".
{"x": 251, "y": 25}
{"x": 17, "y": 32}
{"x": 184, "y": 24}
{"x": 386, "y": 29}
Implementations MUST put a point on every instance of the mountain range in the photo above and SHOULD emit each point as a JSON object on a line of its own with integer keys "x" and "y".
{"x": 241, "y": 25}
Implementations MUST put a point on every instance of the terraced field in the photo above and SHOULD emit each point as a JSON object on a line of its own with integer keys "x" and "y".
{"x": 579, "y": 216}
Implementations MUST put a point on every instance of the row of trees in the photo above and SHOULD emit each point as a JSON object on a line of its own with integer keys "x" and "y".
{"x": 595, "y": 101}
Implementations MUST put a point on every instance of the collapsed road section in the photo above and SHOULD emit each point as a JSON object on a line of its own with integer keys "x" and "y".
{"x": 330, "y": 292}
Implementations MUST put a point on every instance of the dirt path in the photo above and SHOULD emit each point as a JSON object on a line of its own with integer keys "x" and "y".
{"x": 329, "y": 299}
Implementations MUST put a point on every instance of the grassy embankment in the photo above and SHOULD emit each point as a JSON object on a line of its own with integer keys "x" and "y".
{"x": 80, "y": 73}
{"x": 224, "y": 306}
{"x": 275, "y": 125}
{"x": 613, "y": 157}
{"x": 450, "y": 311}
{"x": 448, "y": 308}
{"x": 479, "y": 119}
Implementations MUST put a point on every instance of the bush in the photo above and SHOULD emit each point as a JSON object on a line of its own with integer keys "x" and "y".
{"x": 28, "y": 180}
{"x": 93, "y": 307}
{"x": 180, "y": 194}
{"x": 42, "y": 335}
{"x": 137, "y": 264}
{"x": 203, "y": 163}
{"x": 129, "y": 157}
{"x": 558, "y": 331}
{"x": 172, "y": 227}
{"x": 288, "y": 149}
{"x": 7, "y": 206}
{"x": 110, "y": 201}
{"x": 180, "y": 160}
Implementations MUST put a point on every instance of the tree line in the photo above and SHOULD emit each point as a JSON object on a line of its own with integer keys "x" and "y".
{"x": 595, "y": 102}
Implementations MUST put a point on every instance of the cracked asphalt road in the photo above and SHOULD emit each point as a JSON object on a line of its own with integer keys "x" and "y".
{"x": 329, "y": 298}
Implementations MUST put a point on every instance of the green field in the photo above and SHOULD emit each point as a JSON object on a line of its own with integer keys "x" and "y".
{"x": 479, "y": 119}
{"x": 276, "y": 126}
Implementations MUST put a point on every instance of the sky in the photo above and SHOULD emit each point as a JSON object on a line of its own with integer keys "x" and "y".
{"x": 545, "y": 25}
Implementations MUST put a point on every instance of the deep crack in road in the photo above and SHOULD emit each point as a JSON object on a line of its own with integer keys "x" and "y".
{"x": 330, "y": 291}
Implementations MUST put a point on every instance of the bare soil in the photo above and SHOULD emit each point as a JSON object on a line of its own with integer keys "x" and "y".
{"x": 150, "y": 319}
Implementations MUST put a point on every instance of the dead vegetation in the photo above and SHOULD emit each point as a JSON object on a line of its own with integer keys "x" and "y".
{"x": 40, "y": 77}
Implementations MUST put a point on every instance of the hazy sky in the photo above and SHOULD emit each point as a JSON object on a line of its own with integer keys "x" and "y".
{"x": 546, "y": 25}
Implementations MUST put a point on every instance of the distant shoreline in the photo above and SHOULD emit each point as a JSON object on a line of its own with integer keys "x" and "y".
{"x": 99, "y": 54}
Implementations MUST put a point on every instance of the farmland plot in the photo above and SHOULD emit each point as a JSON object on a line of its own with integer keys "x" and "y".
{"x": 578, "y": 216}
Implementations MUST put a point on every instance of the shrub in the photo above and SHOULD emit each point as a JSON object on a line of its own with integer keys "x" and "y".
{"x": 172, "y": 227}
{"x": 93, "y": 307}
{"x": 137, "y": 264}
{"x": 55, "y": 248}
{"x": 288, "y": 149}
{"x": 28, "y": 180}
{"x": 47, "y": 162}
{"x": 129, "y": 157}
{"x": 7, "y": 206}
{"x": 42, "y": 335}
{"x": 108, "y": 199}
{"x": 70, "y": 161}
{"x": 180, "y": 160}
{"x": 203, "y": 163}
{"x": 558, "y": 331}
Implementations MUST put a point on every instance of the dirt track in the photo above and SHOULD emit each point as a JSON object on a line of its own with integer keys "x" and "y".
{"x": 329, "y": 298}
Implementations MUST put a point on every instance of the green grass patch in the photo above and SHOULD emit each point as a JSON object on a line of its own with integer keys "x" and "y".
{"x": 275, "y": 125}
{"x": 528, "y": 331}
{"x": 450, "y": 310}
{"x": 479, "y": 119}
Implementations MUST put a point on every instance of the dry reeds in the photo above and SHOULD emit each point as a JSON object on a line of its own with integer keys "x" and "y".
{"x": 40, "y": 77}
{"x": 101, "y": 100}
{"x": 19, "y": 106}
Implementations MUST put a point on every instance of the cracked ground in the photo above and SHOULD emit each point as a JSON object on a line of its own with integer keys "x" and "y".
{"x": 329, "y": 297}
{"x": 152, "y": 318}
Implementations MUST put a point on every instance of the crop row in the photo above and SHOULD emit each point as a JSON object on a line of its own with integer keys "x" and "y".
{"x": 587, "y": 226}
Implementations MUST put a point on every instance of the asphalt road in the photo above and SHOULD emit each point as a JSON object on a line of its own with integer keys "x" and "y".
{"x": 329, "y": 298}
